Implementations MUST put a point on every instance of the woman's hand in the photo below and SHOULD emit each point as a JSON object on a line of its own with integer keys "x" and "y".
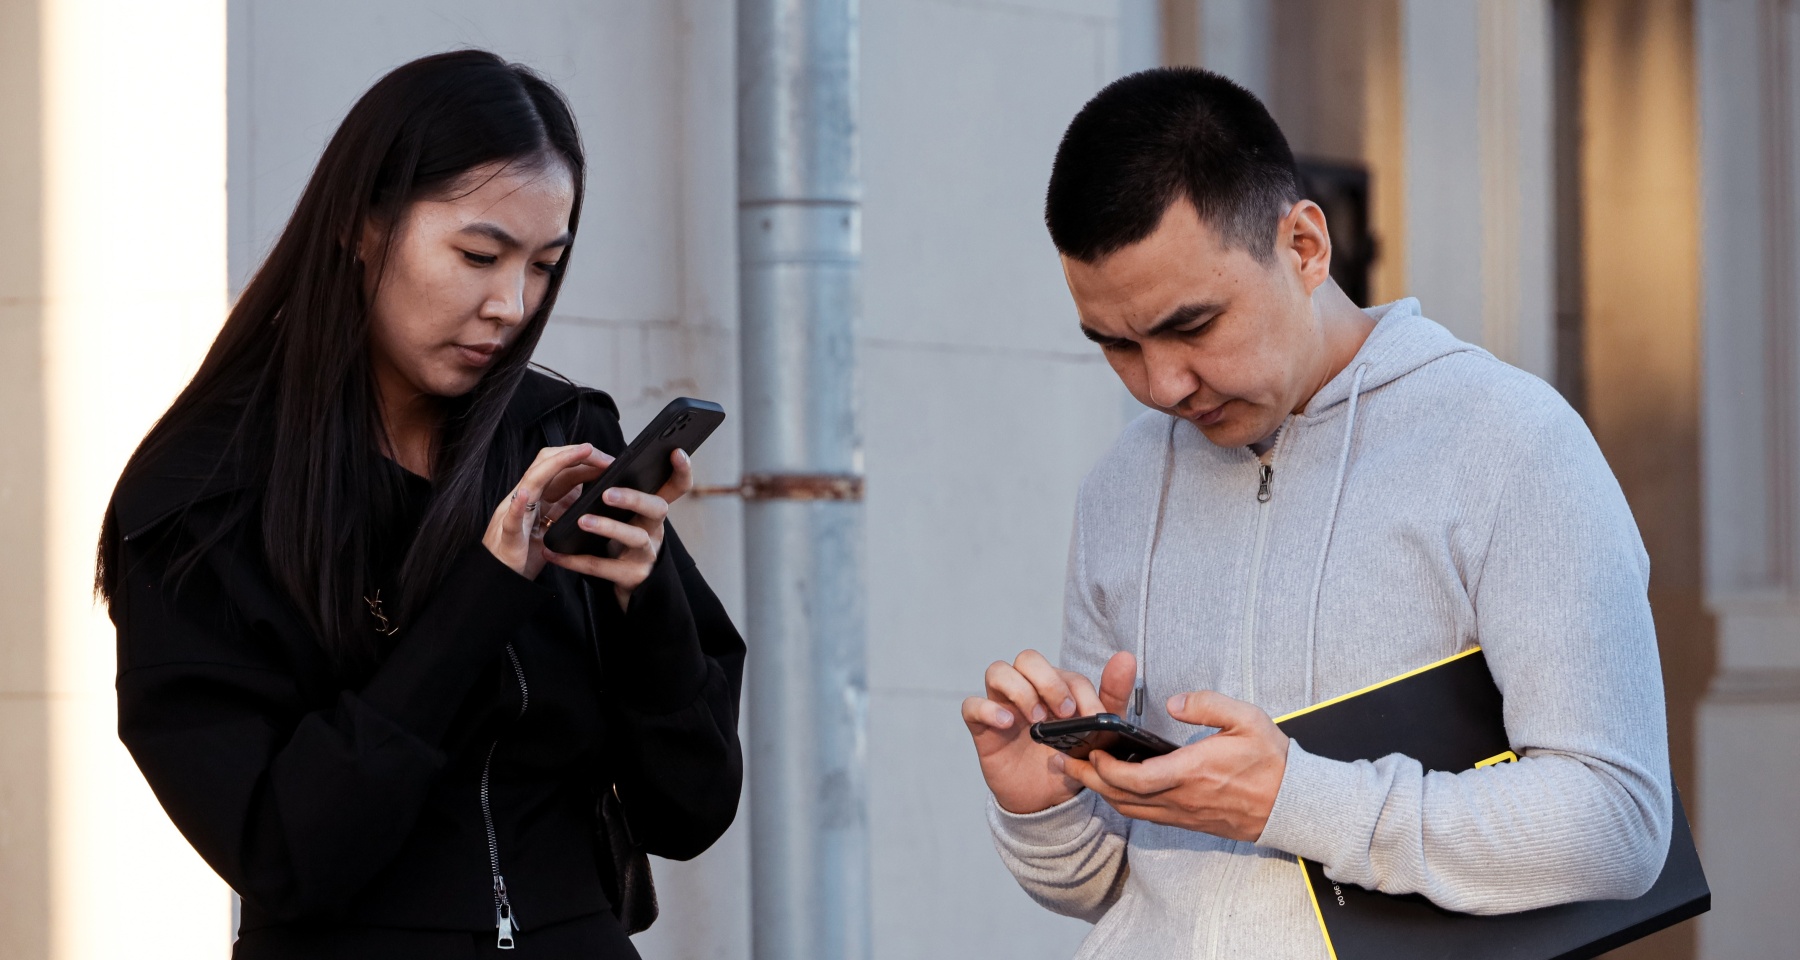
{"x": 515, "y": 533}
{"x": 637, "y": 543}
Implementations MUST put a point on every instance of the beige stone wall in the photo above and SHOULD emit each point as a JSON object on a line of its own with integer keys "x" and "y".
{"x": 24, "y": 725}
{"x": 112, "y": 279}
{"x": 1640, "y": 263}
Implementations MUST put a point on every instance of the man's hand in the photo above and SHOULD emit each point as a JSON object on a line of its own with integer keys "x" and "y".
{"x": 1018, "y": 769}
{"x": 1224, "y": 785}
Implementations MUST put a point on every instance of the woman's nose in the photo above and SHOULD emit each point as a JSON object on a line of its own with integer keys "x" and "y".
{"x": 506, "y": 301}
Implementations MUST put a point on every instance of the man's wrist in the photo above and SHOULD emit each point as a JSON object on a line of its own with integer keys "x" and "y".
{"x": 1049, "y": 827}
{"x": 1025, "y": 806}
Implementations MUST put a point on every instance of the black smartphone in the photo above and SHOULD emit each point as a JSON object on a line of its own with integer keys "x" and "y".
{"x": 1106, "y": 732}
{"x": 684, "y": 424}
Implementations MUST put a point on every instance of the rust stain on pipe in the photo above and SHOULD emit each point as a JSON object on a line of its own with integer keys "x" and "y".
{"x": 788, "y": 486}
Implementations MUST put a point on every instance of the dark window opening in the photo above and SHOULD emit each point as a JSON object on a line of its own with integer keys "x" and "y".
{"x": 1342, "y": 191}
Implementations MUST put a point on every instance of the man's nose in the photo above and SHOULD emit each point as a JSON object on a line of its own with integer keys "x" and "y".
{"x": 1168, "y": 377}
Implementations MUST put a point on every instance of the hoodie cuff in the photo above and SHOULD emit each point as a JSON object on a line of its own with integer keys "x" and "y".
{"x": 1058, "y": 826}
{"x": 1309, "y": 817}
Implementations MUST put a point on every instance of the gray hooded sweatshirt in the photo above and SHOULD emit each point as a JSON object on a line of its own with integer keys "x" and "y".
{"x": 1429, "y": 499}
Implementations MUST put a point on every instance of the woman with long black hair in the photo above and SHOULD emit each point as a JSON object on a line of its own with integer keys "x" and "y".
{"x": 348, "y": 667}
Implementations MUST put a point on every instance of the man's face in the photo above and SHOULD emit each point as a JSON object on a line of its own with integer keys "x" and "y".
{"x": 1206, "y": 332}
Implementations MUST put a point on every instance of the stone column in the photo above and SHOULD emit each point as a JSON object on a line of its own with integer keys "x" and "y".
{"x": 112, "y": 279}
{"x": 24, "y": 698}
{"x": 1480, "y": 172}
{"x": 1750, "y": 721}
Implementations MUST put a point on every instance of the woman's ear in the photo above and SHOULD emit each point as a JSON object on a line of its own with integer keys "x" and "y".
{"x": 1304, "y": 234}
{"x": 371, "y": 242}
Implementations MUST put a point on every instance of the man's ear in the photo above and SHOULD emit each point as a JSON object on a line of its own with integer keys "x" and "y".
{"x": 1303, "y": 235}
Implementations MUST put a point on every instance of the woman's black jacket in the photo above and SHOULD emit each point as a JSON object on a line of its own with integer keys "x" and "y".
{"x": 327, "y": 806}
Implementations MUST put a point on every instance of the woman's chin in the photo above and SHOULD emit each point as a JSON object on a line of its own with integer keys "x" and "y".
{"x": 452, "y": 383}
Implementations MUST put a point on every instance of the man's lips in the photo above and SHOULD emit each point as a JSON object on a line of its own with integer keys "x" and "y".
{"x": 1207, "y": 418}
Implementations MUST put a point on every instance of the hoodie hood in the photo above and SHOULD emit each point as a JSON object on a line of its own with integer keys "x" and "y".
{"x": 1403, "y": 341}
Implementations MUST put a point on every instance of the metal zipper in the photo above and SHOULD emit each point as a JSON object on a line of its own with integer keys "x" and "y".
{"x": 505, "y": 919}
{"x": 1265, "y": 477}
{"x": 1265, "y": 480}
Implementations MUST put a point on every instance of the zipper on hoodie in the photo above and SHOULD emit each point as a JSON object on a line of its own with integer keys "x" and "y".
{"x": 1265, "y": 493}
{"x": 505, "y": 920}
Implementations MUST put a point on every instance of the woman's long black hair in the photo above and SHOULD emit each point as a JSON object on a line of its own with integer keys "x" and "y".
{"x": 291, "y": 365}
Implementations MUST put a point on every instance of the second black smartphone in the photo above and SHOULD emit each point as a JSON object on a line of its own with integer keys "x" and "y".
{"x": 1106, "y": 732}
{"x": 682, "y": 425}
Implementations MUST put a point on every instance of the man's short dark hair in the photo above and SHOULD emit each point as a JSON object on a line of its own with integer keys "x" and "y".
{"x": 1159, "y": 136}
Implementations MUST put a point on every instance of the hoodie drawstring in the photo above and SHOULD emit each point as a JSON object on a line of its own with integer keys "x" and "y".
{"x": 1337, "y": 496}
{"x": 1138, "y": 689}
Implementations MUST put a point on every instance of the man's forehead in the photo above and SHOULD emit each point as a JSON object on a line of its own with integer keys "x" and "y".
{"x": 1148, "y": 300}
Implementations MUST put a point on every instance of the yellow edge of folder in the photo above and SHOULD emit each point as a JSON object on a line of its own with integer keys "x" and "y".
{"x": 1376, "y": 686}
{"x": 1312, "y": 895}
{"x": 1317, "y": 912}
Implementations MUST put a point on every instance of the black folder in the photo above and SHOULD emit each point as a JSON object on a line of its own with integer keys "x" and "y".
{"x": 1447, "y": 717}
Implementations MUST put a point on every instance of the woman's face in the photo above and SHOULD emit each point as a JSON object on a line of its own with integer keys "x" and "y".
{"x": 461, "y": 274}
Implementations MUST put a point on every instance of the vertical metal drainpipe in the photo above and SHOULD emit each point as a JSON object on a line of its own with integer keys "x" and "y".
{"x": 800, "y": 250}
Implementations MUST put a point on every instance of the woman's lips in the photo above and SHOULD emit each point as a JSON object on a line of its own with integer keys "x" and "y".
{"x": 1210, "y": 417}
{"x": 479, "y": 355}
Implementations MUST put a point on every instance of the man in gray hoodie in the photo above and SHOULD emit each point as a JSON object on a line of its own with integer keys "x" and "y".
{"x": 1319, "y": 498}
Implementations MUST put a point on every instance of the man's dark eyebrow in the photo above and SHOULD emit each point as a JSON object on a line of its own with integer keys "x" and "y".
{"x": 1179, "y": 316}
{"x": 495, "y": 233}
{"x": 1182, "y": 315}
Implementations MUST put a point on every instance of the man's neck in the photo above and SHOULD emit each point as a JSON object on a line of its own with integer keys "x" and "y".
{"x": 1345, "y": 327}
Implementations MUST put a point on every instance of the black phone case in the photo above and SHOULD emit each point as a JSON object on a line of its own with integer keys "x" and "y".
{"x": 1106, "y": 732}
{"x": 684, "y": 424}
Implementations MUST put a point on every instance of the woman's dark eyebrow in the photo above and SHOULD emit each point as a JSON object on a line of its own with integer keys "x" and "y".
{"x": 496, "y": 233}
{"x": 1182, "y": 315}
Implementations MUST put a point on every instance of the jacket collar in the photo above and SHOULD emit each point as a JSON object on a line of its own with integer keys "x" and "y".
{"x": 203, "y": 462}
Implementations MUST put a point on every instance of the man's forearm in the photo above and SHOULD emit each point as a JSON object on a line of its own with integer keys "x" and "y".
{"x": 1549, "y": 829}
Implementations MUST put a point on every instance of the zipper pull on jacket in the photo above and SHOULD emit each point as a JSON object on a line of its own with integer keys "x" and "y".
{"x": 503, "y": 916}
{"x": 1266, "y": 476}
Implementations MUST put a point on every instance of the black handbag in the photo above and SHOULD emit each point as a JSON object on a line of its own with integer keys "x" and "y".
{"x": 631, "y": 890}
